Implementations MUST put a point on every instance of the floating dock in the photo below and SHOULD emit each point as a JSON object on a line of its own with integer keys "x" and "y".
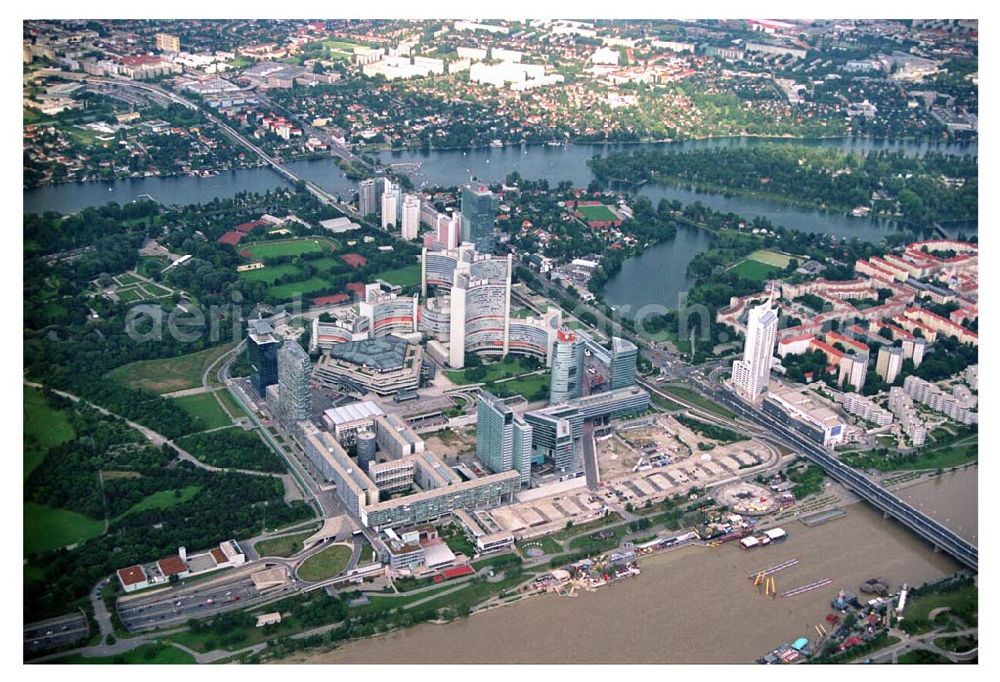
{"x": 817, "y": 518}
{"x": 774, "y": 569}
{"x": 808, "y": 588}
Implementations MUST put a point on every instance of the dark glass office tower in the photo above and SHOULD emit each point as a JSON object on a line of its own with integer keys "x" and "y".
{"x": 479, "y": 207}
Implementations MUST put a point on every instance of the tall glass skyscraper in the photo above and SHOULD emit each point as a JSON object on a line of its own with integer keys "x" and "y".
{"x": 295, "y": 396}
{"x": 479, "y": 207}
{"x": 503, "y": 439}
{"x": 622, "y": 368}
{"x": 567, "y": 367}
{"x": 262, "y": 352}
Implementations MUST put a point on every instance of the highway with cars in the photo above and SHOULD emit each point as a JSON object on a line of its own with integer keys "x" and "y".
{"x": 55, "y": 632}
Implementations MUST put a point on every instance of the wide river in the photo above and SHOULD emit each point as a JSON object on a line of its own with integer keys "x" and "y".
{"x": 692, "y": 605}
{"x": 658, "y": 276}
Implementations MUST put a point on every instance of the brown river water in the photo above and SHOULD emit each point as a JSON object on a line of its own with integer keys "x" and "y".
{"x": 692, "y": 605}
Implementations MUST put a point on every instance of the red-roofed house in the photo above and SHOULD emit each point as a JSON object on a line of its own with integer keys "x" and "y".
{"x": 173, "y": 565}
{"x": 133, "y": 578}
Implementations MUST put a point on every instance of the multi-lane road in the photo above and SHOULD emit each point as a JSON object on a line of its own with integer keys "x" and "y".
{"x": 55, "y": 632}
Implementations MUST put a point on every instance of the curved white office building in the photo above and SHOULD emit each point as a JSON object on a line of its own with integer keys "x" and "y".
{"x": 386, "y": 311}
{"x": 435, "y": 318}
{"x": 535, "y": 335}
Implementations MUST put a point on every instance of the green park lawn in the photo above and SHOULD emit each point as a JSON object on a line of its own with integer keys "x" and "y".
{"x": 48, "y": 528}
{"x": 325, "y": 564}
{"x": 44, "y": 428}
{"x": 164, "y": 499}
{"x": 283, "y": 547}
{"x": 593, "y": 213}
{"x": 230, "y": 403}
{"x": 287, "y": 247}
{"x": 531, "y": 386}
{"x": 404, "y": 277}
{"x": 270, "y": 274}
{"x": 168, "y": 374}
{"x": 205, "y": 408}
{"x": 511, "y": 366}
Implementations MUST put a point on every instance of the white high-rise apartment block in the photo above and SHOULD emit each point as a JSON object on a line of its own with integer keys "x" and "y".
{"x": 752, "y": 373}
{"x": 411, "y": 216}
{"x": 390, "y": 205}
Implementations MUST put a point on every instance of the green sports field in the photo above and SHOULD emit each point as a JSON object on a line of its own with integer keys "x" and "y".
{"x": 590, "y": 213}
{"x": 754, "y": 270}
{"x": 287, "y": 247}
{"x": 768, "y": 257}
{"x": 283, "y": 292}
{"x": 270, "y": 274}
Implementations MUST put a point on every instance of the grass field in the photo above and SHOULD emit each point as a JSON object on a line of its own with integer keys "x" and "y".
{"x": 48, "y": 528}
{"x": 284, "y": 547}
{"x": 510, "y": 366}
{"x": 229, "y": 401}
{"x": 665, "y": 403}
{"x": 270, "y": 274}
{"x": 957, "y": 453}
{"x": 168, "y": 374}
{"x": 404, "y": 277}
{"x": 326, "y": 265}
{"x": 147, "y": 653}
{"x": 205, "y": 408}
{"x": 287, "y": 247}
{"x": 754, "y": 270}
{"x": 773, "y": 258}
{"x": 326, "y": 564}
{"x": 532, "y": 387}
{"x": 44, "y": 427}
{"x": 965, "y": 599}
{"x": 591, "y": 213}
{"x": 686, "y": 394}
{"x": 164, "y": 499}
{"x": 283, "y": 292}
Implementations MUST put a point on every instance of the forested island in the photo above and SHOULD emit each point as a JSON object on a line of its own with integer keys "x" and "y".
{"x": 919, "y": 191}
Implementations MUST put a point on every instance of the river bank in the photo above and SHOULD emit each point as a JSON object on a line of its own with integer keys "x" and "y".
{"x": 695, "y": 604}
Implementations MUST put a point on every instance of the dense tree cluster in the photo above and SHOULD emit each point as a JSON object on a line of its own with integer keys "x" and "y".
{"x": 232, "y": 448}
{"x": 921, "y": 190}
